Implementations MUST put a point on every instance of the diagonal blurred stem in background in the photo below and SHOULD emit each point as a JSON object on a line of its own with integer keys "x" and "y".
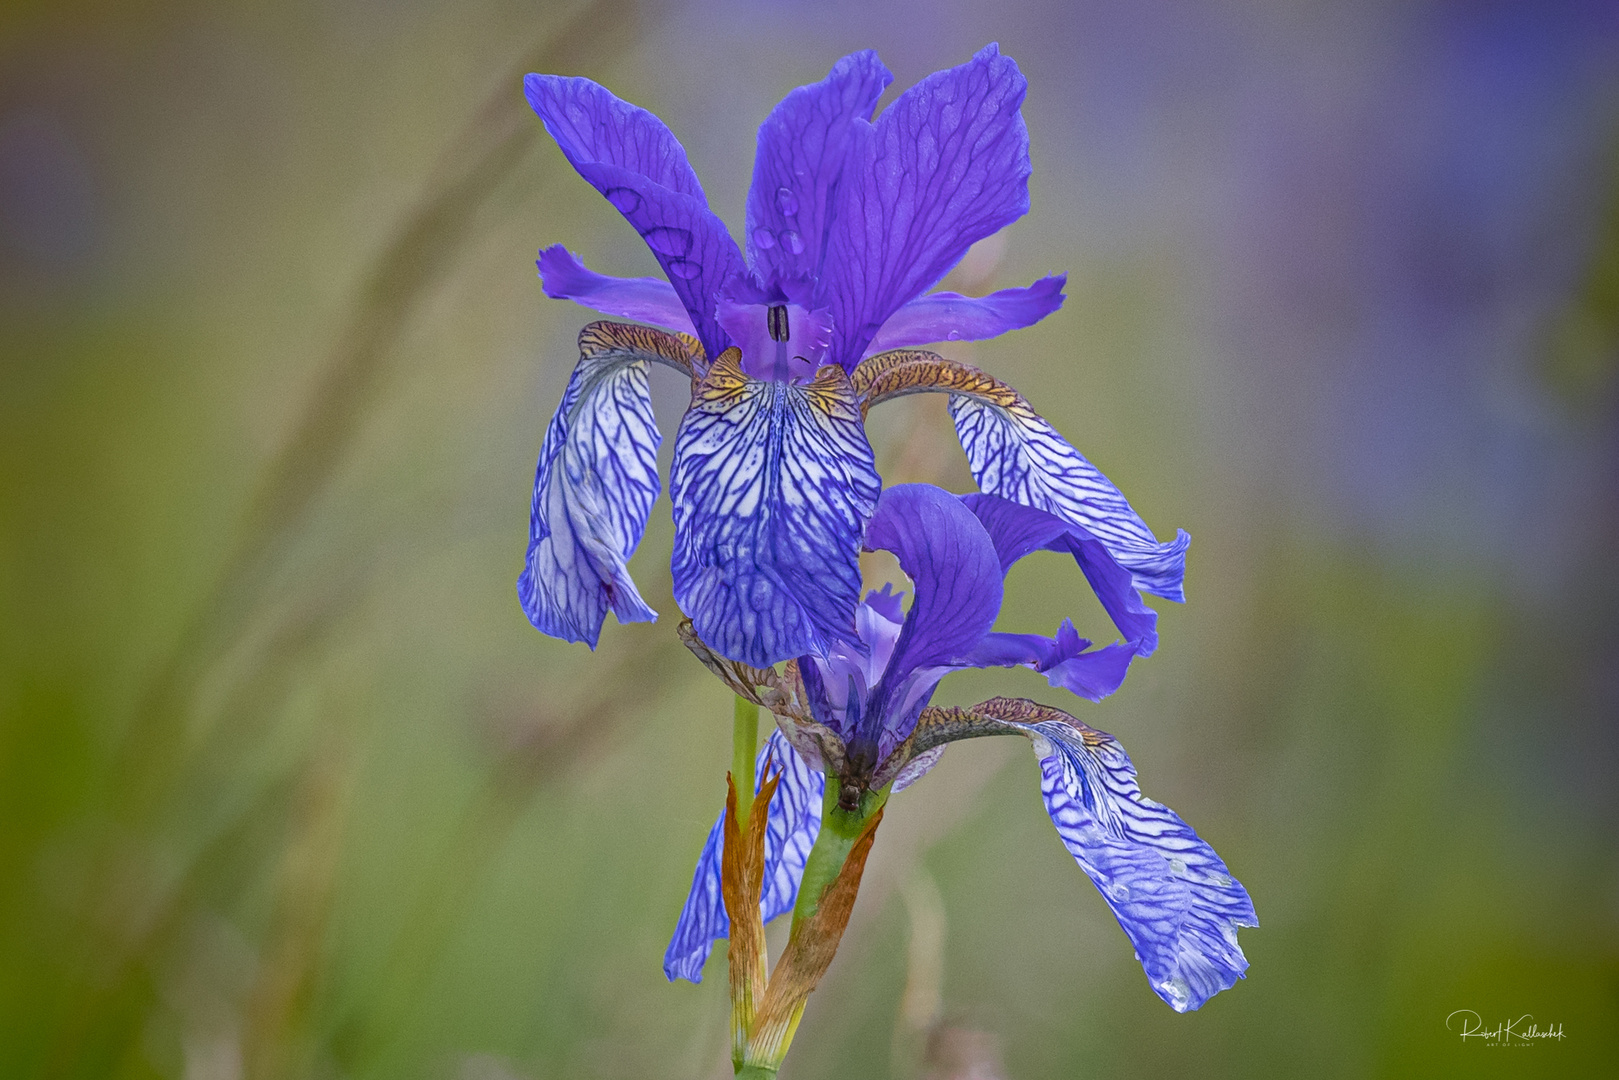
{"x": 420, "y": 254}
{"x": 549, "y": 745}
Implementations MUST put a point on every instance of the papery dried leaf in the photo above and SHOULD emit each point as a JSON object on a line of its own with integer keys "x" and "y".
{"x": 809, "y": 953}
{"x": 741, "y": 879}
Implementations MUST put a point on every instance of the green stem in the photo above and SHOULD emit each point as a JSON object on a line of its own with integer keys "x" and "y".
{"x": 839, "y": 830}
{"x": 755, "y": 1072}
{"x": 744, "y": 748}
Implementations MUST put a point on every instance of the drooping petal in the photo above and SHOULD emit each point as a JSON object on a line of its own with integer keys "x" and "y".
{"x": 1019, "y": 530}
{"x": 802, "y": 146}
{"x": 949, "y": 316}
{"x": 950, "y": 558}
{"x": 648, "y": 300}
{"x": 595, "y": 484}
{"x": 1014, "y": 453}
{"x": 794, "y": 822}
{"x": 945, "y": 165}
{"x": 629, "y": 156}
{"x": 1174, "y": 898}
{"x": 772, "y": 485}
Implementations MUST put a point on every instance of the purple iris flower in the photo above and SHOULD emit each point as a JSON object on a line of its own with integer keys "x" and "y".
{"x": 857, "y": 715}
{"x": 849, "y": 222}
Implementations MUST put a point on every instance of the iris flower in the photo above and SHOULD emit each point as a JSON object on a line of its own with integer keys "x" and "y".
{"x": 855, "y": 724}
{"x": 849, "y": 222}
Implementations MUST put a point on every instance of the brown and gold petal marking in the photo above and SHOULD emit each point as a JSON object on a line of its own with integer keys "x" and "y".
{"x": 917, "y": 371}
{"x": 680, "y": 351}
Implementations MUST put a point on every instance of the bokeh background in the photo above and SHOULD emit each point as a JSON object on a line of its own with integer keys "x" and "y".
{"x": 289, "y": 787}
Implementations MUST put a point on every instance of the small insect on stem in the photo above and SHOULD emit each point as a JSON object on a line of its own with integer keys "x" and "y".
{"x": 777, "y": 316}
{"x": 849, "y": 797}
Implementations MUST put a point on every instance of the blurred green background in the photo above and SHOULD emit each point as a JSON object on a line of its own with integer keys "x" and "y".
{"x": 289, "y": 787}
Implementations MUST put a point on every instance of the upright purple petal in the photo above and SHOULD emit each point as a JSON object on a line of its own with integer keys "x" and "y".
{"x": 802, "y": 147}
{"x": 950, "y": 316}
{"x": 593, "y": 126}
{"x": 945, "y": 165}
{"x": 689, "y": 242}
{"x": 1017, "y": 530}
{"x": 772, "y": 485}
{"x": 947, "y": 554}
{"x": 648, "y": 300}
{"x": 794, "y": 822}
{"x": 1176, "y": 901}
{"x": 593, "y": 489}
{"x": 629, "y": 156}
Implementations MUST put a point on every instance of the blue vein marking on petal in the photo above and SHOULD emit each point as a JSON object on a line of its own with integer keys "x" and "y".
{"x": 772, "y": 486}
{"x": 1018, "y": 455}
{"x": 1174, "y": 898}
{"x": 593, "y": 490}
{"x": 794, "y": 823}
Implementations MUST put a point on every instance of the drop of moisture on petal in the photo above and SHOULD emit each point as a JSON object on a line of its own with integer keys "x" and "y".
{"x": 625, "y": 200}
{"x": 1120, "y": 891}
{"x": 764, "y": 239}
{"x": 792, "y": 242}
{"x": 787, "y": 201}
{"x": 684, "y": 268}
{"x": 1179, "y": 993}
{"x": 668, "y": 240}
{"x": 760, "y": 596}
